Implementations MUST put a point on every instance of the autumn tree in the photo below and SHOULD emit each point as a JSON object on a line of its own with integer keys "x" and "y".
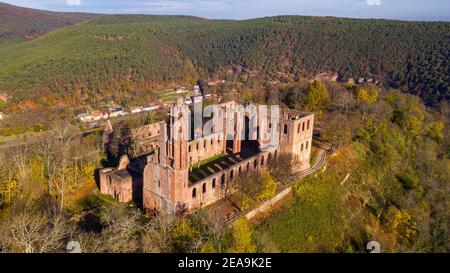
{"x": 317, "y": 97}
{"x": 242, "y": 237}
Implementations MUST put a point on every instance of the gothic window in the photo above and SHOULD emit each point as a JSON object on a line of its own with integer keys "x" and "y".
{"x": 222, "y": 182}
{"x": 194, "y": 193}
{"x": 214, "y": 183}
{"x": 204, "y": 188}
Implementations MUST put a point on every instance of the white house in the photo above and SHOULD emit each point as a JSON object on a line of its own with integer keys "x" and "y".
{"x": 116, "y": 112}
{"x": 85, "y": 117}
{"x": 151, "y": 107}
{"x": 180, "y": 90}
{"x": 96, "y": 115}
{"x": 136, "y": 110}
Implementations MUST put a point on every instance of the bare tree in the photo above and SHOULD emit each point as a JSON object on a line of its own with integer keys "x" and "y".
{"x": 33, "y": 229}
{"x": 19, "y": 155}
{"x": 64, "y": 138}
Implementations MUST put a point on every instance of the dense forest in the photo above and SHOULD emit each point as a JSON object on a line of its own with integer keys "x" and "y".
{"x": 136, "y": 52}
{"x": 21, "y": 24}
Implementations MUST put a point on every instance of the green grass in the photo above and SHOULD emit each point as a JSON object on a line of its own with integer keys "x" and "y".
{"x": 93, "y": 200}
{"x": 313, "y": 220}
{"x": 206, "y": 166}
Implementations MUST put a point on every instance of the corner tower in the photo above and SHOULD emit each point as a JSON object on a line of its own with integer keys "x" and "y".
{"x": 296, "y": 137}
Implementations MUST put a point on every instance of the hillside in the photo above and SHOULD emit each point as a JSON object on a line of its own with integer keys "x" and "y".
{"x": 94, "y": 58}
{"x": 22, "y": 24}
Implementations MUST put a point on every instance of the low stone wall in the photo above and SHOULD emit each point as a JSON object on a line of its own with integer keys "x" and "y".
{"x": 268, "y": 204}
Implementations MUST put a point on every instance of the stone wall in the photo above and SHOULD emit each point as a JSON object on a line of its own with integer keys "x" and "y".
{"x": 268, "y": 204}
{"x": 214, "y": 187}
{"x": 205, "y": 148}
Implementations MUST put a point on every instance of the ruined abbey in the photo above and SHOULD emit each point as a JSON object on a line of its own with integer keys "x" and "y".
{"x": 182, "y": 173}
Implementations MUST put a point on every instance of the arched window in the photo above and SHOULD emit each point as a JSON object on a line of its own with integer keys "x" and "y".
{"x": 222, "y": 182}
{"x": 301, "y": 148}
{"x": 303, "y": 128}
{"x": 214, "y": 183}
{"x": 262, "y": 161}
{"x": 204, "y": 188}
{"x": 255, "y": 164}
{"x": 307, "y": 145}
{"x": 248, "y": 166}
{"x": 298, "y": 129}
{"x": 231, "y": 175}
{"x": 285, "y": 129}
{"x": 240, "y": 170}
{"x": 307, "y": 126}
{"x": 194, "y": 193}
{"x": 197, "y": 146}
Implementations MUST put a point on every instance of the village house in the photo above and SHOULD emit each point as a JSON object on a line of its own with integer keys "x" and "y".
{"x": 151, "y": 107}
{"x": 116, "y": 112}
{"x": 97, "y": 115}
{"x": 180, "y": 90}
{"x": 136, "y": 110}
{"x": 85, "y": 117}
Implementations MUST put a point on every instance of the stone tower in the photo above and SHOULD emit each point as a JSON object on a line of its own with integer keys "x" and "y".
{"x": 166, "y": 178}
{"x": 296, "y": 137}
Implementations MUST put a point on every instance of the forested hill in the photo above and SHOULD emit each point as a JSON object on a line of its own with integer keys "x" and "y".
{"x": 21, "y": 24}
{"x": 103, "y": 53}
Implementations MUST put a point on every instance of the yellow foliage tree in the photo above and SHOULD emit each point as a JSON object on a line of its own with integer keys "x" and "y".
{"x": 317, "y": 97}
{"x": 401, "y": 224}
{"x": 242, "y": 237}
{"x": 368, "y": 96}
{"x": 269, "y": 186}
{"x": 183, "y": 235}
